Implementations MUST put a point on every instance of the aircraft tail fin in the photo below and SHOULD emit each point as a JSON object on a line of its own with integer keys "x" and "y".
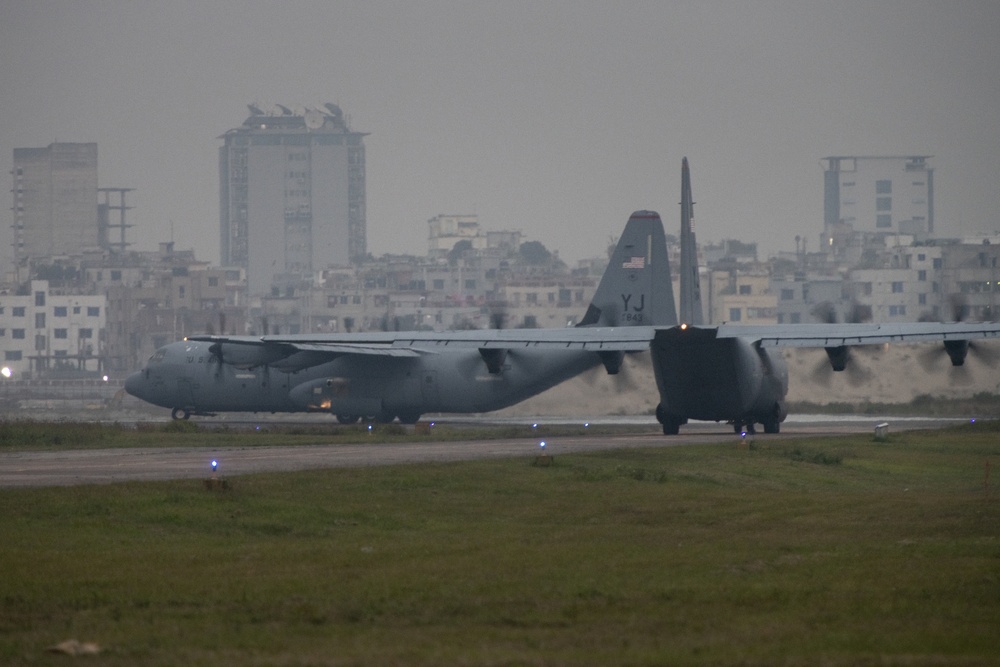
{"x": 690, "y": 288}
{"x": 636, "y": 288}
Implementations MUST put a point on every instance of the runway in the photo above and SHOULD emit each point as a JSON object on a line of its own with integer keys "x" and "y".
{"x": 106, "y": 466}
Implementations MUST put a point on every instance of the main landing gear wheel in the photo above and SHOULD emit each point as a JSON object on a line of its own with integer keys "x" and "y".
{"x": 180, "y": 413}
{"x": 671, "y": 423}
{"x": 348, "y": 419}
{"x": 739, "y": 428}
{"x": 409, "y": 418}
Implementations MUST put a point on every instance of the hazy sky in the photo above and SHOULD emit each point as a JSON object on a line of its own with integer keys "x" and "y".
{"x": 556, "y": 118}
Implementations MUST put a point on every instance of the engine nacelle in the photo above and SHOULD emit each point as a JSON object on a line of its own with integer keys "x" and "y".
{"x": 838, "y": 356}
{"x": 957, "y": 350}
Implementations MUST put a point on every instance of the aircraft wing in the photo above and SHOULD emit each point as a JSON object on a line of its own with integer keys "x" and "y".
{"x": 835, "y": 335}
{"x": 298, "y": 351}
{"x": 597, "y": 339}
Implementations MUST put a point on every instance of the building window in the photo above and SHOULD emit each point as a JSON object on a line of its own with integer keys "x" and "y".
{"x": 12, "y": 355}
{"x": 470, "y": 284}
{"x": 39, "y": 320}
{"x": 17, "y": 311}
{"x": 86, "y": 333}
{"x": 883, "y": 187}
{"x": 883, "y": 204}
{"x": 883, "y": 220}
{"x": 922, "y": 299}
{"x": 39, "y": 342}
{"x": 796, "y": 318}
{"x": 937, "y": 263}
{"x": 17, "y": 333}
{"x": 180, "y": 291}
{"x": 745, "y": 289}
{"x": 60, "y": 333}
{"x": 93, "y": 311}
{"x": 59, "y": 311}
{"x": 39, "y": 298}
{"x": 734, "y": 314}
{"x": 213, "y": 282}
{"x": 116, "y": 275}
{"x": 787, "y": 294}
{"x": 439, "y": 283}
{"x": 922, "y": 275}
{"x": 76, "y": 311}
{"x": 897, "y": 287}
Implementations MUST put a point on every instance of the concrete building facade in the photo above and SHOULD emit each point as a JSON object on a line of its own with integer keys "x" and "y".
{"x": 292, "y": 196}
{"x": 42, "y": 330}
{"x": 877, "y": 195}
{"x": 55, "y": 200}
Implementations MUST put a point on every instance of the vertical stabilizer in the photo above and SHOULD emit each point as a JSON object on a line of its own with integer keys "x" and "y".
{"x": 690, "y": 288}
{"x": 636, "y": 288}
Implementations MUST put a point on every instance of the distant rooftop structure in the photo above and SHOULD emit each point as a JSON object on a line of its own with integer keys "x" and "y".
{"x": 55, "y": 200}
{"x": 292, "y": 194}
{"x": 879, "y": 193}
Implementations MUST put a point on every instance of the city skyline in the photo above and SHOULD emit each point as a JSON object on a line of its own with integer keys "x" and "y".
{"x": 556, "y": 119}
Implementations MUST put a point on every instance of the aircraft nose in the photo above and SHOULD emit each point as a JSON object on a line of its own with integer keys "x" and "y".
{"x": 133, "y": 384}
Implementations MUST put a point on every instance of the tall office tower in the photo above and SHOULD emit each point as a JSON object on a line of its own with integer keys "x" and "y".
{"x": 292, "y": 188}
{"x": 55, "y": 200}
{"x": 880, "y": 194}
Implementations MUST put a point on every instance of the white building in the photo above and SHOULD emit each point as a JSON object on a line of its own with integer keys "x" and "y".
{"x": 42, "y": 331}
{"x": 878, "y": 194}
{"x": 292, "y": 196}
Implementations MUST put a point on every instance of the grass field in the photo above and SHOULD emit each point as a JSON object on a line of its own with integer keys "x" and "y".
{"x": 838, "y": 551}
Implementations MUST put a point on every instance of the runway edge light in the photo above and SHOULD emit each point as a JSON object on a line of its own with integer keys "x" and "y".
{"x": 543, "y": 459}
{"x": 216, "y": 483}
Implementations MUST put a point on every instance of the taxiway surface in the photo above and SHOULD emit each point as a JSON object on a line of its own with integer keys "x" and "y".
{"x": 105, "y": 466}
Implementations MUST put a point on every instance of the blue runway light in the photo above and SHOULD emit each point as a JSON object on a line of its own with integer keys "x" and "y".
{"x": 542, "y": 444}
{"x": 215, "y": 465}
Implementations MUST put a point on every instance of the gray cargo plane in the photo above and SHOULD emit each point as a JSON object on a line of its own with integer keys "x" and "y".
{"x": 383, "y": 376}
{"x": 730, "y": 373}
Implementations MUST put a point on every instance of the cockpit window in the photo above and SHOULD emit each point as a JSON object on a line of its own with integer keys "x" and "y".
{"x": 158, "y": 356}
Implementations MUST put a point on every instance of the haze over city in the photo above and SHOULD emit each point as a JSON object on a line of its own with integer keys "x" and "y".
{"x": 555, "y": 118}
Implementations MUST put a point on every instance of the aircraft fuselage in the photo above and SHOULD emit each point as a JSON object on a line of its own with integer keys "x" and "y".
{"x": 187, "y": 377}
{"x": 700, "y": 376}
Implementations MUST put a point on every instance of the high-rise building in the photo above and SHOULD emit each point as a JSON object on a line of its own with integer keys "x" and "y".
{"x": 878, "y": 195}
{"x": 292, "y": 189}
{"x": 55, "y": 200}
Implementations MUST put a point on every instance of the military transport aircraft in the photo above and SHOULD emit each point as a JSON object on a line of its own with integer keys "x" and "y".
{"x": 730, "y": 373}
{"x": 383, "y": 376}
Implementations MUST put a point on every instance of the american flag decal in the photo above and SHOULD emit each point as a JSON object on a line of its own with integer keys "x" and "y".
{"x": 635, "y": 263}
